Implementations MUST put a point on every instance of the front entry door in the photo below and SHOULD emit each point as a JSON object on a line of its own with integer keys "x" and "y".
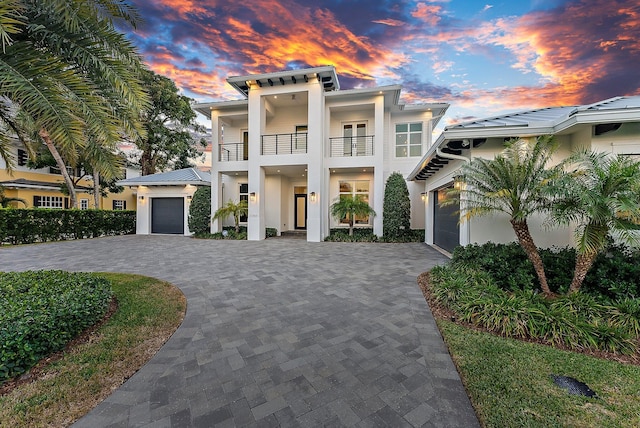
{"x": 300, "y": 213}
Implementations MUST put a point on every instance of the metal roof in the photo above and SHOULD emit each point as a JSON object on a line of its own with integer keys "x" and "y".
{"x": 458, "y": 138}
{"x": 544, "y": 116}
{"x": 180, "y": 177}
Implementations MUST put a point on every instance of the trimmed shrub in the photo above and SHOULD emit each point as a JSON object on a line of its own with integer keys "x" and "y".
{"x": 270, "y": 232}
{"x": 200, "y": 211}
{"x": 24, "y": 226}
{"x": 396, "y": 209}
{"x": 360, "y": 234}
{"x": 615, "y": 273}
{"x": 41, "y": 311}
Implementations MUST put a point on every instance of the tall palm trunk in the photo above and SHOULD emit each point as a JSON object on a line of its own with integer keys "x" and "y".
{"x": 96, "y": 188}
{"x": 61, "y": 165}
{"x": 584, "y": 261}
{"x": 521, "y": 229}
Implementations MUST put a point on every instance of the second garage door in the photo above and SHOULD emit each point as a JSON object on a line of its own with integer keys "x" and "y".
{"x": 446, "y": 231}
{"x": 167, "y": 215}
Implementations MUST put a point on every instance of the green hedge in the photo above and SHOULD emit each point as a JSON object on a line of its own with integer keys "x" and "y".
{"x": 24, "y": 226}
{"x": 615, "y": 273}
{"x": 41, "y": 311}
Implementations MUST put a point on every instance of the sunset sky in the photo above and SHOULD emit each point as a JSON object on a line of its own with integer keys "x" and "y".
{"x": 484, "y": 58}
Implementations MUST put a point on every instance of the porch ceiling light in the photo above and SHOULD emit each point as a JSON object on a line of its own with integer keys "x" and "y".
{"x": 252, "y": 196}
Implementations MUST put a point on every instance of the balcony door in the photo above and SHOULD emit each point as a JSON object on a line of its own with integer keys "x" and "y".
{"x": 245, "y": 144}
{"x": 354, "y": 134}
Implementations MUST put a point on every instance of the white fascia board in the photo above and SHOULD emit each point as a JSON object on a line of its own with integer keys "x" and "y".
{"x": 278, "y": 74}
{"x": 34, "y": 186}
{"x": 365, "y": 91}
{"x": 205, "y": 108}
{"x": 163, "y": 183}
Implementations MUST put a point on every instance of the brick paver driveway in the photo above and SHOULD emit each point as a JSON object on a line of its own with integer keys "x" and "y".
{"x": 278, "y": 333}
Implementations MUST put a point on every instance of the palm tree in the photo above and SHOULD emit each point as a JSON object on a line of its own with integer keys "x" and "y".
{"x": 601, "y": 196}
{"x": 66, "y": 74}
{"x": 513, "y": 183}
{"x": 232, "y": 209}
{"x": 349, "y": 207}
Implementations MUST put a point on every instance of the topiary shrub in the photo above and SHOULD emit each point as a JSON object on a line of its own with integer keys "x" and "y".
{"x": 396, "y": 210}
{"x": 200, "y": 211}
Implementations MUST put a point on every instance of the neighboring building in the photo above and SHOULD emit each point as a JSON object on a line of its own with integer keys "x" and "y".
{"x": 296, "y": 143}
{"x": 163, "y": 200}
{"x": 611, "y": 126}
{"x": 40, "y": 188}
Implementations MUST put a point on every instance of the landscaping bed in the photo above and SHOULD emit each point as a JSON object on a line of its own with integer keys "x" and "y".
{"x": 507, "y": 339}
{"x": 67, "y": 384}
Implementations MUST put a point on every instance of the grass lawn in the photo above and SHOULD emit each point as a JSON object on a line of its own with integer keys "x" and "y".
{"x": 509, "y": 383}
{"x": 149, "y": 311}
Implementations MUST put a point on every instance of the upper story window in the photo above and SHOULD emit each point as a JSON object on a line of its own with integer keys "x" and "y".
{"x": 84, "y": 204}
{"x": 408, "y": 139}
{"x": 23, "y": 157}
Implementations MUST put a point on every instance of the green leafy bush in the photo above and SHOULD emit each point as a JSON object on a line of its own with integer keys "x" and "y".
{"x": 200, "y": 211}
{"x": 228, "y": 232}
{"x": 40, "y": 311}
{"x": 270, "y": 232}
{"x": 577, "y": 321}
{"x": 396, "y": 208}
{"x": 360, "y": 234}
{"x": 615, "y": 273}
{"x": 24, "y": 226}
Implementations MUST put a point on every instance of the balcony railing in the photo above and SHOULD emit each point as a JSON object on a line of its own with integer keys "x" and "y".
{"x": 231, "y": 152}
{"x": 351, "y": 146}
{"x": 284, "y": 144}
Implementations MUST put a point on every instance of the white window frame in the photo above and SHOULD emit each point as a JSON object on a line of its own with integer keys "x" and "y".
{"x": 408, "y": 145}
{"x": 84, "y": 204}
{"x": 354, "y": 191}
{"x": 51, "y": 202}
{"x": 118, "y": 204}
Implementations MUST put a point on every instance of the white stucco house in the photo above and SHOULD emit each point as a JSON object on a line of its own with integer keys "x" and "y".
{"x": 163, "y": 200}
{"x": 612, "y": 126}
{"x": 294, "y": 142}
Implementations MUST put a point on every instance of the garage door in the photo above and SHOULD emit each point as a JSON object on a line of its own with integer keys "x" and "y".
{"x": 446, "y": 232}
{"x": 167, "y": 215}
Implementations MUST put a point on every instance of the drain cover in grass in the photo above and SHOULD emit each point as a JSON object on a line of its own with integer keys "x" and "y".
{"x": 573, "y": 386}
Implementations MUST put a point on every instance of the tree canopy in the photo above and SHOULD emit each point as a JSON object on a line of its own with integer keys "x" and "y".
{"x": 171, "y": 137}
{"x": 67, "y": 76}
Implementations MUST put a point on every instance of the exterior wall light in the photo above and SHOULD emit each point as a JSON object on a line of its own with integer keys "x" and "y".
{"x": 423, "y": 196}
{"x": 141, "y": 197}
{"x": 189, "y": 197}
{"x": 458, "y": 182}
{"x": 252, "y": 196}
{"x": 313, "y": 196}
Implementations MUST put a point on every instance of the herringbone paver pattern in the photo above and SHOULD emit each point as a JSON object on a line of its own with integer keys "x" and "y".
{"x": 278, "y": 333}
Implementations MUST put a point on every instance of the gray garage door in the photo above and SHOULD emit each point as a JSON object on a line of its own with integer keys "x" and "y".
{"x": 167, "y": 215}
{"x": 446, "y": 232}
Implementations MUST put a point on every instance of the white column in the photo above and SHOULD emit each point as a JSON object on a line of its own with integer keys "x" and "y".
{"x": 257, "y": 120}
{"x": 315, "y": 166}
{"x": 378, "y": 172}
{"x": 216, "y": 179}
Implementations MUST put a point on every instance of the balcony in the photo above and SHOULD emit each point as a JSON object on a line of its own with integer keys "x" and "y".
{"x": 283, "y": 144}
{"x": 351, "y": 146}
{"x": 231, "y": 152}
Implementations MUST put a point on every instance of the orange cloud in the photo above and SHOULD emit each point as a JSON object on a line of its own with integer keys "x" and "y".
{"x": 427, "y": 13}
